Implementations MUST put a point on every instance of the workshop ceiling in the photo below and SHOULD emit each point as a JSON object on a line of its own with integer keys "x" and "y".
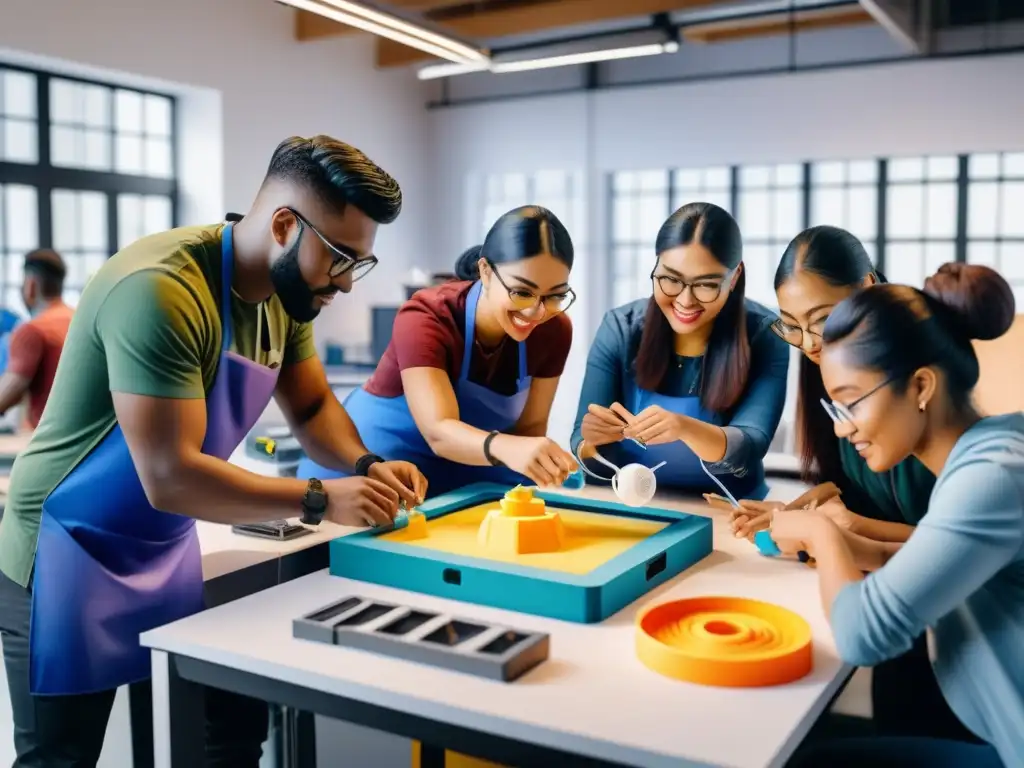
{"x": 507, "y": 24}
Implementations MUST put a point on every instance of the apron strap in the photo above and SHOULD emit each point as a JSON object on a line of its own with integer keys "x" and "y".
{"x": 469, "y": 334}
{"x": 227, "y": 272}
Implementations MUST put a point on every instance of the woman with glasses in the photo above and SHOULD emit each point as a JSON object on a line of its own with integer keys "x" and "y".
{"x": 465, "y": 387}
{"x": 692, "y": 376}
{"x": 899, "y": 369}
{"x": 821, "y": 267}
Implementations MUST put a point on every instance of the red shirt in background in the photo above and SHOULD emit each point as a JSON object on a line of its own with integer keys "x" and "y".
{"x": 34, "y": 352}
{"x": 429, "y": 333}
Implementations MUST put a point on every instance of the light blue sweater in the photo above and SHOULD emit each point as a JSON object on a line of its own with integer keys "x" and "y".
{"x": 961, "y": 575}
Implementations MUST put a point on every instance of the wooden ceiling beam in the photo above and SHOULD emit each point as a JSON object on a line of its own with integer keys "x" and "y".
{"x": 776, "y": 24}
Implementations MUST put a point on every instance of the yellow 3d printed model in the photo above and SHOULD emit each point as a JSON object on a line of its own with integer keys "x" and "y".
{"x": 522, "y": 525}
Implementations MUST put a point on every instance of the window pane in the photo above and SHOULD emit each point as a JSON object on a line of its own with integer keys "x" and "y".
{"x": 14, "y": 268}
{"x": 789, "y": 175}
{"x": 755, "y": 222}
{"x": 688, "y": 180}
{"x": 19, "y": 141}
{"x": 788, "y": 213}
{"x": 941, "y": 210}
{"x": 128, "y": 110}
{"x": 863, "y": 171}
{"x": 97, "y": 106}
{"x": 97, "y": 150}
{"x": 21, "y": 212}
{"x": 158, "y": 118}
{"x": 982, "y": 253}
{"x": 755, "y": 176}
{"x": 943, "y": 167}
{"x": 13, "y": 300}
{"x": 546, "y": 184}
{"x": 935, "y": 255}
{"x": 1011, "y": 209}
{"x": 828, "y": 173}
{"x": 75, "y": 274}
{"x": 722, "y": 199}
{"x": 906, "y": 169}
{"x": 64, "y": 210}
{"x": 1013, "y": 165}
{"x": 982, "y": 208}
{"x": 653, "y": 212}
{"x": 905, "y": 211}
{"x": 158, "y": 214}
{"x": 158, "y": 159}
{"x": 718, "y": 178}
{"x": 129, "y": 154}
{"x": 129, "y": 214}
{"x": 1011, "y": 263}
{"x": 862, "y": 212}
{"x": 64, "y": 146}
{"x": 827, "y": 207}
{"x": 623, "y": 181}
{"x": 92, "y": 207}
{"x": 623, "y": 229}
{"x": 19, "y": 89}
{"x": 759, "y": 261}
{"x": 983, "y": 166}
{"x": 654, "y": 181}
{"x": 872, "y": 252}
{"x": 65, "y": 101}
{"x": 904, "y": 263}
{"x": 93, "y": 262}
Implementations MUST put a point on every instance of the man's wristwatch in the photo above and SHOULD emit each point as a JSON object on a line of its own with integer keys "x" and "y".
{"x": 314, "y": 503}
{"x": 364, "y": 462}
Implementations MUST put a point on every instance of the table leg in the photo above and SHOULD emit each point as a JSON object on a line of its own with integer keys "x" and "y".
{"x": 179, "y": 724}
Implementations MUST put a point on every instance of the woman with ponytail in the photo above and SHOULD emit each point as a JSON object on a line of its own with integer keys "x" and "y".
{"x": 899, "y": 368}
{"x": 465, "y": 387}
{"x": 692, "y": 376}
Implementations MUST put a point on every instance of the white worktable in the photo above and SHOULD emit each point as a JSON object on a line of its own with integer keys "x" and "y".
{"x": 592, "y": 698}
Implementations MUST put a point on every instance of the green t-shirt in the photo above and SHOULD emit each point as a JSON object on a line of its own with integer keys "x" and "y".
{"x": 900, "y": 495}
{"x": 148, "y": 323}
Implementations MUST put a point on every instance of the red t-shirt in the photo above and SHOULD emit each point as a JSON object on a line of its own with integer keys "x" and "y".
{"x": 34, "y": 352}
{"x": 429, "y": 332}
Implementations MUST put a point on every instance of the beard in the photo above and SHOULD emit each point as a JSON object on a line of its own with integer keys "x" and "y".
{"x": 297, "y": 299}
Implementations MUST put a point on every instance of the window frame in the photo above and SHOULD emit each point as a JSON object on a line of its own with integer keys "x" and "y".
{"x": 46, "y": 177}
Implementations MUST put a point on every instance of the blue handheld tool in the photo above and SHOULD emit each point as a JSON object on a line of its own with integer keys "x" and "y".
{"x": 576, "y": 481}
{"x": 766, "y": 545}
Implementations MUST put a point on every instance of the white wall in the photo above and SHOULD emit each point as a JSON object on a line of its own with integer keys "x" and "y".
{"x": 245, "y": 84}
{"x": 941, "y": 106}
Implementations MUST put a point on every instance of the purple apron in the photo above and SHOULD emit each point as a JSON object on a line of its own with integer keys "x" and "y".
{"x": 682, "y": 469}
{"x": 108, "y": 565}
{"x": 387, "y": 428}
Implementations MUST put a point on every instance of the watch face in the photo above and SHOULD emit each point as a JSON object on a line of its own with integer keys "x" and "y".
{"x": 315, "y": 485}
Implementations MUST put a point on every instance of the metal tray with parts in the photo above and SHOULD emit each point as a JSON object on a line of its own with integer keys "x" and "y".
{"x": 463, "y": 645}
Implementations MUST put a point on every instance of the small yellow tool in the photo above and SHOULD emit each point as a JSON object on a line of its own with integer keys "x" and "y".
{"x": 268, "y": 444}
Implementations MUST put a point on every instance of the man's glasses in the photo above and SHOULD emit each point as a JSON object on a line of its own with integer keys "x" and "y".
{"x": 343, "y": 262}
{"x": 523, "y": 299}
{"x": 704, "y": 291}
{"x": 843, "y": 414}
{"x": 795, "y": 335}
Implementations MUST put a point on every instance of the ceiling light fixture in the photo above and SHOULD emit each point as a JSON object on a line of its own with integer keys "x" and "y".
{"x": 392, "y": 27}
{"x": 499, "y": 66}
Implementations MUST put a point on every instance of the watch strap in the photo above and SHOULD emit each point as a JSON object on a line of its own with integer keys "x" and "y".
{"x": 491, "y": 458}
{"x": 364, "y": 462}
{"x": 314, "y": 502}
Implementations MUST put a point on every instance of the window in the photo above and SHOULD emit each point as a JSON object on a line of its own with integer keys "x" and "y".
{"x": 995, "y": 226}
{"x": 708, "y": 185}
{"x": 640, "y": 203}
{"x": 771, "y": 213}
{"x": 920, "y": 217}
{"x": 85, "y": 168}
{"x": 845, "y": 194}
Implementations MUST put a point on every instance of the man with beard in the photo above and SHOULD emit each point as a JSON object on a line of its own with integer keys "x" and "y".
{"x": 178, "y": 344}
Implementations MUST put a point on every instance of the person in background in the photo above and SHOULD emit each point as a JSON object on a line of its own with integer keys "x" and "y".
{"x": 821, "y": 267}
{"x": 899, "y": 368}
{"x": 35, "y": 345}
{"x": 694, "y": 372}
{"x": 177, "y": 346}
{"x": 465, "y": 387}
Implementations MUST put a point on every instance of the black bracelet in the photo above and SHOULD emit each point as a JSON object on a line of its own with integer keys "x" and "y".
{"x": 487, "y": 450}
{"x": 364, "y": 462}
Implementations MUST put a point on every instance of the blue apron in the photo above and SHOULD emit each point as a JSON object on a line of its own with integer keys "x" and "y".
{"x": 108, "y": 565}
{"x": 387, "y": 428}
{"x": 682, "y": 469}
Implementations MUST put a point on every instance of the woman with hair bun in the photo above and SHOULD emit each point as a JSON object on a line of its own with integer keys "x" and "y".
{"x": 464, "y": 389}
{"x": 899, "y": 368}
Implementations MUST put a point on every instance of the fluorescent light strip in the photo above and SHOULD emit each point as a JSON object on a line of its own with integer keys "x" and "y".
{"x": 382, "y": 25}
{"x": 435, "y": 71}
{"x": 589, "y": 57}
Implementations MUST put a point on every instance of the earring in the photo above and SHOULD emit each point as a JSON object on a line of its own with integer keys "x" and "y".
{"x": 921, "y": 407}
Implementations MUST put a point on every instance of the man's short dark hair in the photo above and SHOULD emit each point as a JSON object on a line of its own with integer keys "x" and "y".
{"x": 46, "y": 266}
{"x": 339, "y": 174}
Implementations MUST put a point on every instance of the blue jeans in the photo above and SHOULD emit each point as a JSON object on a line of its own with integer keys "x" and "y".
{"x": 896, "y": 753}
